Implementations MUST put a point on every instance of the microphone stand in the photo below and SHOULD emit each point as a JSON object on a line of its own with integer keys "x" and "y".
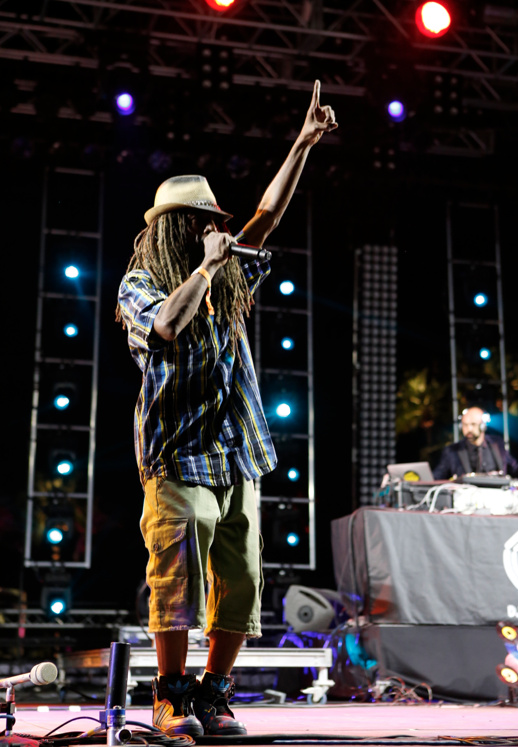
{"x": 113, "y": 718}
{"x": 8, "y": 708}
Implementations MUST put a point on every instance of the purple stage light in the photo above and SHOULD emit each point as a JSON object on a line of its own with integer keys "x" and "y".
{"x": 397, "y": 110}
{"x": 125, "y": 103}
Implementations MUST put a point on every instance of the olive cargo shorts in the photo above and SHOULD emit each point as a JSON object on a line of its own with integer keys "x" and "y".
{"x": 196, "y": 534}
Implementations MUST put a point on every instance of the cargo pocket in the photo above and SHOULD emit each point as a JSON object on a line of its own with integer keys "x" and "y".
{"x": 167, "y": 572}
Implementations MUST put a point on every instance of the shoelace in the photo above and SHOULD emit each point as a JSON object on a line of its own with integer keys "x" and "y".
{"x": 221, "y": 701}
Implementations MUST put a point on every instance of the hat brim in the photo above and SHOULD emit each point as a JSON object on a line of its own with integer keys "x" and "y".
{"x": 153, "y": 212}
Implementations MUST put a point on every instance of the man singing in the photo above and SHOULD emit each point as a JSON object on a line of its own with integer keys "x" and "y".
{"x": 201, "y": 436}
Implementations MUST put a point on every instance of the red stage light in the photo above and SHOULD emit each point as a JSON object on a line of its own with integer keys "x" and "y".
{"x": 433, "y": 19}
{"x": 220, "y": 4}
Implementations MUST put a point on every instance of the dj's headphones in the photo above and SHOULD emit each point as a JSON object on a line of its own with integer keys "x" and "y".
{"x": 486, "y": 417}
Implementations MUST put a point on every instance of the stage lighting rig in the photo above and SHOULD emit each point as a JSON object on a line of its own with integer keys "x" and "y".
{"x": 215, "y": 68}
{"x": 56, "y": 594}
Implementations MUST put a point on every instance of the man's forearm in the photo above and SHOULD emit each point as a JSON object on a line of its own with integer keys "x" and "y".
{"x": 278, "y": 194}
{"x": 180, "y": 307}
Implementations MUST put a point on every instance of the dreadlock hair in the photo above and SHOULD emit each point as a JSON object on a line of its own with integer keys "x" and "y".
{"x": 161, "y": 249}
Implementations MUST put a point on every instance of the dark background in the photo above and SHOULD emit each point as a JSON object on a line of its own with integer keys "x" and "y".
{"x": 354, "y": 204}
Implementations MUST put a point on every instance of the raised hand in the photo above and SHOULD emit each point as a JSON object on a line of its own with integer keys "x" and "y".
{"x": 319, "y": 119}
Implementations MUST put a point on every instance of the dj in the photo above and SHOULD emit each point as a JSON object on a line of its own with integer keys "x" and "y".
{"x": 476, "y": 452}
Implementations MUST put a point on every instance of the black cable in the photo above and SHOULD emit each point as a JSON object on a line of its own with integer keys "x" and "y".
{"x": 160, "y": 739}
{"x": 76, "y": 718}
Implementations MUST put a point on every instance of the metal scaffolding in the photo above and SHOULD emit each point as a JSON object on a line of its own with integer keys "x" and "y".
{"x": 474, "y": 267}
{"x": 66, "y": 365}
{"x": 285, "y": 374}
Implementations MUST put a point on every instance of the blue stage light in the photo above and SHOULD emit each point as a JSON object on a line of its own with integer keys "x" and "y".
{"x": 125, "y": 103}
{"x": 64, "y": 393}
{"x": 70, "y": 330}
{"x": 293, "y": 539}
{"x": 287, "y": 343}
{"x": 480, "y": 299}
{"x": 283, "y": 410}
{"x": 72, "y": 272}
{"x": 54, "y": 535}
{"x": 58, "y": 606}
{"x": 61, "y": 402}
{"x": 286, "y": 287}
{"x": 56, "y": 594}
{"x": 484, "y": 353}
{"x": 293, "y": 474}
{"x": 65, "y": 467}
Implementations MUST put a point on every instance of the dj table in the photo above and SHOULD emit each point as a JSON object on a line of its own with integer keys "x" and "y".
{"x": 426, "y": 569}
{"x": 430, "y": 588}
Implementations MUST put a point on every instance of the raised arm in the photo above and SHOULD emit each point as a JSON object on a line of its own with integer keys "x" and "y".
{"x": 319, "y": 119}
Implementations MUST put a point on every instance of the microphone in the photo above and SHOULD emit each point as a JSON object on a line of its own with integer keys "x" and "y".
{"x": 40, "y": 674}
{"x": 249, "y": 252}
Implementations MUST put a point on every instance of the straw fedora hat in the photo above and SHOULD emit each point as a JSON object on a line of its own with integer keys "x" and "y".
{"x": 184, "y": 192}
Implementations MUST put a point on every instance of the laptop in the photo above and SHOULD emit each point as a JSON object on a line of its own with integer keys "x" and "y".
{"x": 411, "y": 472}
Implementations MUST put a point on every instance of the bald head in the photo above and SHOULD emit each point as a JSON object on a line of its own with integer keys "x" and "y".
{"x": 473, "y": 425}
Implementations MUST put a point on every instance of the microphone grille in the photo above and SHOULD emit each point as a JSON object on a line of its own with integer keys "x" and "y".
{"x": 44, "y": 673}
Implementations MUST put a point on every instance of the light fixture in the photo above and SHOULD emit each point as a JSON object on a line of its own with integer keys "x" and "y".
{"x": 433, "y": 19}
{"x": 215, "y": 72}
{"x": 283, "y": 410}
{"x": 71, "y": 330}
{"x": 63, "y": 395}
{"x": 396, "y": 110}
{"x": 59, "y": 526}
{"x": 286, "y": 287}
{"x": 480, "y": 300}
{"x": 220, "y": 5}
{"x": 125, "y": 103}
{"x": 72, "y": 272}
{"x": 508, "y": 671}
{"x": 63, "y": 462}
{"x": 55, "y": 596}
{"x": 293, "y": 539}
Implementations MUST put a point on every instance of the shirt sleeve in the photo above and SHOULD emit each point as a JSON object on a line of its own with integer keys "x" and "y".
{"x": 255, "y": 272}
{"x": 140, "y": 301}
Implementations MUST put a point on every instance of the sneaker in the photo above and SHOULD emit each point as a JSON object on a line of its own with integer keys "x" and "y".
{"x": 172, "y": 705}
{"x": 211, "y": 705}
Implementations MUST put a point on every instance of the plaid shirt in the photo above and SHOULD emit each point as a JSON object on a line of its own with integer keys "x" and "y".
{"x": 199, "y": 416}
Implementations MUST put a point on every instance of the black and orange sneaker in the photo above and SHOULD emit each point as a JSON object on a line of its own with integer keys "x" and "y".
{"x": 211, "y": 705}
{"x": 172, "y": 705}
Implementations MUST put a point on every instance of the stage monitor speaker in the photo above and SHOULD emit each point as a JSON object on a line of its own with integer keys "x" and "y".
{"x": 307, "y": 609}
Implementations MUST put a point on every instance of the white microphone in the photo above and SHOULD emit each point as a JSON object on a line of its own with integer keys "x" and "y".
{"x": 40, "y": 674}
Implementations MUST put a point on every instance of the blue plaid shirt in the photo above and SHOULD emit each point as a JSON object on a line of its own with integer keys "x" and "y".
{"x": 199, "y": 416}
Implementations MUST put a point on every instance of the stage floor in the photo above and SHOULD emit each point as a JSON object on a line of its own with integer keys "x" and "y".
{"x": 314, "y": 723}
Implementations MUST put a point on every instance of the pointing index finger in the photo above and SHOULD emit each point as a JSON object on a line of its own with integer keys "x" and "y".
{"x": 316, "y": 94}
